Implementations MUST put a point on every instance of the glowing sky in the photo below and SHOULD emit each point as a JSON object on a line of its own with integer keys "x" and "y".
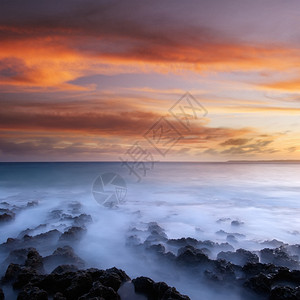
{"x": 85, "y": 80}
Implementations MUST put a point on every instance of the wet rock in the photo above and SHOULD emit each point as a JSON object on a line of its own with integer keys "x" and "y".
{"x": 160, "y": 290}
{"x": 82, "y": 220}
{"x": 157, "y": 233}
{"x": 6, "y": 215}
{"x": 251, "y": 270}
{"x": 59, "y": 296}
{"x": 99, "y": 292}
{"x": 113, "y": 278}
{"x": 236, "y": 223}
{"x": 221, "y": 270}
{"x": 18, "y": 256}
{"x": 33, "y": 293}
{"x": 85, "y": 284}
{"x": 190, "y": 256}
{"x": 30, "y": 231}
{"x": 261, "y": 284}
{"x": 240, "y": 257}
{"x": 159, "y": 249}
{"x": 64, "y": 268}
{"x": 55, "y": 214}
{"x": 273, "y": 243}
{"x": 172, "y": 293}
{"x": 73, "y": 234}
{"x": 278, "y": 257}
{"x": 25, "y": 276}
{"x": 231, "y": 238}
{"x": 284, "y": 293}
{"x": 235, "y": 234}
{"x": 34, "y": 261}
{"x": 12, "y": 272}
{"x": 183, "y": 242}
{"x": 62, "y": 256}
{"x": 32, "y": 203}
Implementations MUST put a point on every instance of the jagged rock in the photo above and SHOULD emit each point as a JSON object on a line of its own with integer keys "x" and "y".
{"x": 30, "y": 231}
{"x": 183, "y": 242}
{"x": 6, "y": 215}
{"x": 82, "y": 220}
{"x": 261, "y": 284}
{"x": 85, "y": 284}
{"x": 284, "y": 293}
{"x": 240, "y": 257}
{"x": 99, "y": 292}
{"x": 221, "y": 270}
{"x": 160, "y": 290}
{"x": 33, "y": 293}
{"x": 17, "y": 257}
{"x": 64, "y": 268}
{"x": 32, "y": 203}
{"x": 34, "y": 261}
{"x": 278, "y": 257}
{"x": 159, "y": 249}
{"x": 25, "y": 276}
{"x": 59, "y": 296}
{"x": 113, "y": 278}
{"x": 157, "y": 234}
{"x": 11, "y": 273}
{"x": 55, "y": 214}
{"x": 72, "y": 234}
{"x": 236, "y": 223}
{"x": 191, "y": 256}
{"x": 62, "y": 256}
{"x": 273, "y": 243}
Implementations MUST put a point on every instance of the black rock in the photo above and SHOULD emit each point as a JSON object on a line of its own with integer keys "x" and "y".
{"x": 240, "y": 257}
{"x": 82, "y": 220}
{"x": 236, "y": 223}
{"x": 1, "y": 294}
{"x": 284, "y": 293}
{"x": 100, "y": 292}
{"x": 59, "y": 296}
{"x": 33, "y": 293}
{"x": 113, "y": 278}
{"x": 154, "y": 291}
{"x": 183, "y": 242}
{"x": 32, "y": 203}
{"x": 62, "y": 256}
{"x": 6, "y": 215}
{"x": 190, "y": 256}
{"x": 64, "y": 268}
{"x": 278, "y": 257}
{"x": 261, "y": 284}
{"x": 72, "y": 234}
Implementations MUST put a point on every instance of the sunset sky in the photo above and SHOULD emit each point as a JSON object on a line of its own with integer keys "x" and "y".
{"x": 86, "y": 80}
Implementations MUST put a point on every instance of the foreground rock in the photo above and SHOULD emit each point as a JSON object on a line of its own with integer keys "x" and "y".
{"x": 27, "y": 276}
{"x": 158, "y": 290}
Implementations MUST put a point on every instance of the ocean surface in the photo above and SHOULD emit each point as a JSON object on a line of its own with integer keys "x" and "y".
{"x": 186, "y": 199}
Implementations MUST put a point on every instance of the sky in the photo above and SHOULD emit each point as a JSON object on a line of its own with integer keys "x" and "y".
{"x": 166, "y": 80}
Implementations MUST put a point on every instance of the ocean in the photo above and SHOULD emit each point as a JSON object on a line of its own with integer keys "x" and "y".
{"x": 244, "y": 204}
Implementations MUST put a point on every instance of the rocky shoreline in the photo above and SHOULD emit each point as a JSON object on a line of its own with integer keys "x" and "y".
{"x": 27, "y": 273}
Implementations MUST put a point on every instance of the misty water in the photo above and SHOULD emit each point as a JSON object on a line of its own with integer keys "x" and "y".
{"x": 196, "y": 200}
